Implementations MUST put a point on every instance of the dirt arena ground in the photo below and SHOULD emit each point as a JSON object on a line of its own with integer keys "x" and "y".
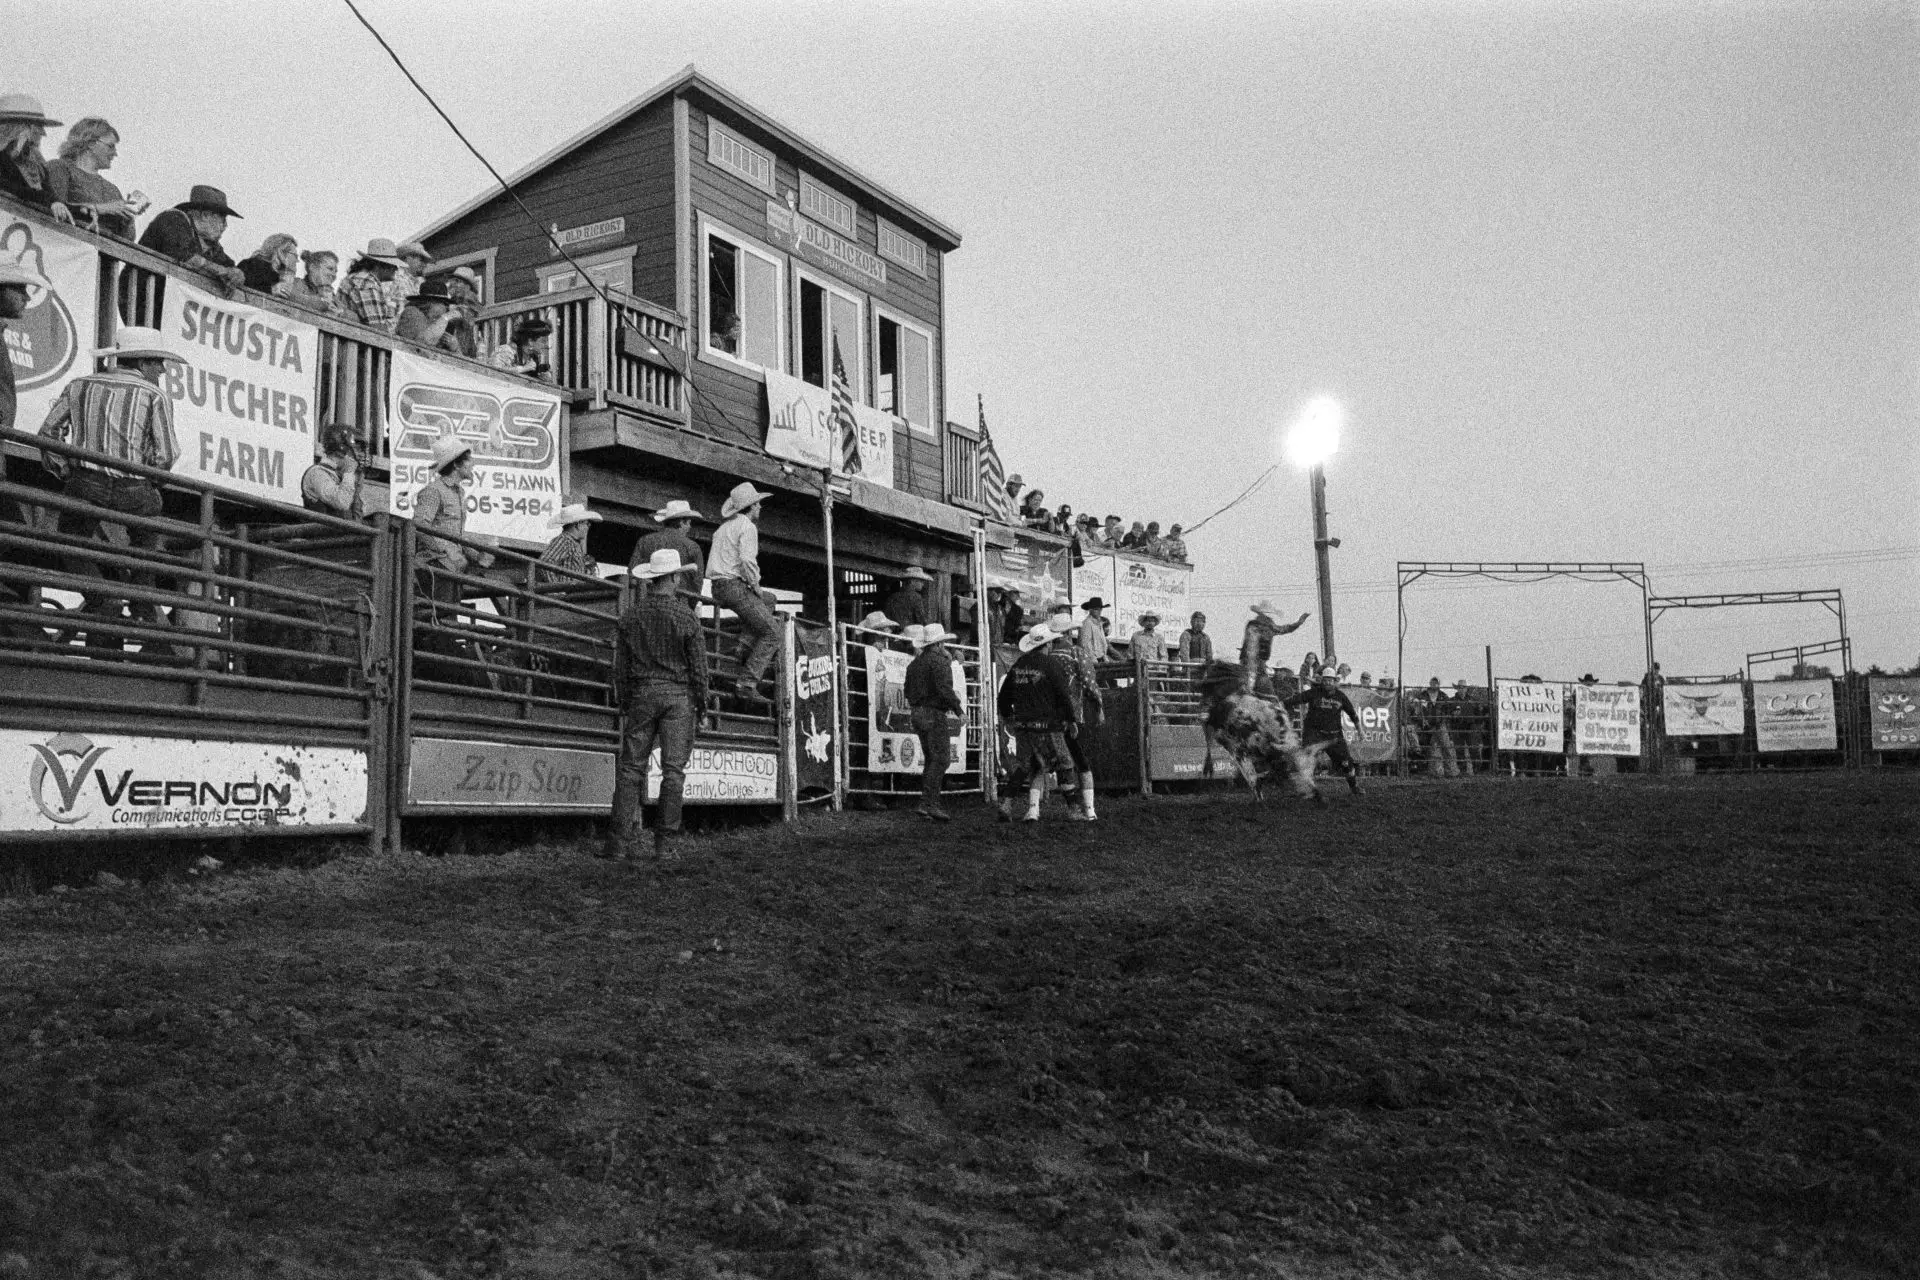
{"x": 1641, "y": 1028}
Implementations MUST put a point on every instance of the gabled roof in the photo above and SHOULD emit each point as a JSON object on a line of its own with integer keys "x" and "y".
{"x": 691, "y": 77}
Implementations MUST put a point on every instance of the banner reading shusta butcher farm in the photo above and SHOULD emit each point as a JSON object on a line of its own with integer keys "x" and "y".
{"x": 1606, "y": 720}
{"x": 243, "y": 401}
{"x": 48, "y": 345}
{"x": 1794, "y": 715}
{"x": 1532, "y": 716}
{"x": 514, "y": 431}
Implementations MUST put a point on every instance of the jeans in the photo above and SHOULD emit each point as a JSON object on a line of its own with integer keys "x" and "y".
{"x": 136, "y": 497}
{"x": 936, "y": 750}
{"x": 757, "y": 619}
{"x": 657, "y": 714}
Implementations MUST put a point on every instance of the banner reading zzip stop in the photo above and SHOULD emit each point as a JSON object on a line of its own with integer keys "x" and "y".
{"x": 513, "y": 430}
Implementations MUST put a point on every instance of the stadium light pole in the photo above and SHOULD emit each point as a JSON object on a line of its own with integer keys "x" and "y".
{"x": 1313, "y": 438}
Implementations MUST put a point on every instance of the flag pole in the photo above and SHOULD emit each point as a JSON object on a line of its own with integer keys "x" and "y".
{"x": 833, "y": 637}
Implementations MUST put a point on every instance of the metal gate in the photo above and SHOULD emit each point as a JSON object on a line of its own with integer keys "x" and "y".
{"x": 881, "y": 754}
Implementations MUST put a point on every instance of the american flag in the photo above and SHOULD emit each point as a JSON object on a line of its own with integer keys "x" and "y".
{"x": 993, "y": 477}
{"x": 843, "y": 423}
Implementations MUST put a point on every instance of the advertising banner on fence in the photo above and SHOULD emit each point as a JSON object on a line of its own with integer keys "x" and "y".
{"x": 722, "y": 775}
{"x": 1531, "y": 716}
{"x": 1149, "y": 586}
{"x": 1794, "y": 715}
{"x": 52, "y": 343}
{"x": 65, "y": 781}
{"x": 514, "y": 432}
{"x": 892, "y": 746}
{"x": 1374, "y": 743}
{"x": 1041, "y": 571}
{"x": 462, "y": 773}
{"x": 243, "y": 401}
{"x": 1704, "y": 710}
{"x": 1893, "y": 710}
{"x": 800, "y": 429}
{"x": 1095, "y": 576}
{"x": 813, "y": 706}
{"x": 1606, "y": 720}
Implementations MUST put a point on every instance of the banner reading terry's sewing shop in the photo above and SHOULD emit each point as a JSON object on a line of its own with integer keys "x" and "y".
{"x": 514, "y": 431}
{"x": 1606, "y": 720}
{"x": 800, "y": 429}
{"x": 49, "y": 345}
{"x": 243, "y": 401}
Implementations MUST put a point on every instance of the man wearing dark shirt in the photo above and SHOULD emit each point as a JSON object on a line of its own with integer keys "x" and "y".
{"x": 1037, "y": 702}
{"x": 931, "y": 694}
{"x": 15, "y": 280}
{"x": 660, "y": 685}
{"x": 1326, "y": 702}
{"x": 908, "y": 605}
{"x": 190, "y": 232}
{"x": 675, "y": 532}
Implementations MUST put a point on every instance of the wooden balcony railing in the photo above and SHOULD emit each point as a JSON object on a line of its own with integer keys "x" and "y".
{"x": 618, "y": 350}
{"x": 963, "y": 465}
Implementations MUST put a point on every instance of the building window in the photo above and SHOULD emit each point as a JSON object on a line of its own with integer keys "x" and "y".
{"x": 909, "y": 251}
{"x": 612, "y": 270}
{"x": 903, "y": 360}
{"x": 822, "y": 205}
{"x": 826, "y": 315}
{"x": 731, "y": 152}
{"x": 743, "y": 301}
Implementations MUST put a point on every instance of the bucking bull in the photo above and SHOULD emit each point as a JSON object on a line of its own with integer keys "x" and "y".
{"x": 1259, "y": 739}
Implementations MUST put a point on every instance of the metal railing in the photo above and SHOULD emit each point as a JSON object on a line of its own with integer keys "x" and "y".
{"x": 882, "y": 752}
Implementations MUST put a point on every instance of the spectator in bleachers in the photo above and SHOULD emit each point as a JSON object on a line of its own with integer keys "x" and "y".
{"x": 527, "y": 354}
{"x": 1111, "y": 534}
{"x": 1176, "y": 548}
{"x": 406, "y": 282}
{"x": 122, "y": 414}
{"x": 336, "y": 484}
{"x": 190, "y": 232}
{"x": 75, "y": 181}
{"x": 908, "y": 605}
{"x": 315, "y": 290}
{"x": 568, "y": 548}
{"x": 1147, "y": 642}
{"x": 1309, "y": 667}
{"x": 424, "y": 318}
{"x": 16, "y": 279}
{"x": 364, "y": 295}
{"x": 23, "y": 171}
{"x": 735, "y": 566}
{"x": 1015, "y": 483}
{"x": 1063, "y": 519}
{"x": 675, "y": 531}
{"x": 271, "y": 268}
{"x": 1195, "y": 644}
{"x": 1033, "y": 511}
{"x": 1153, "y": 544}
{"x": 1136, "y": 537}
{"x": 462, "y": 337}
{"x": 1366, "y": 680}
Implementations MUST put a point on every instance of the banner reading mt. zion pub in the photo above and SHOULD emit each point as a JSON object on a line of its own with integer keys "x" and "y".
{"x": 49, "y": 345}
{"x": 800, "y": 429}
{"x": 243, "y": 401}
{"x": 1531, "y": 716}
{"x": 514, "y": 431}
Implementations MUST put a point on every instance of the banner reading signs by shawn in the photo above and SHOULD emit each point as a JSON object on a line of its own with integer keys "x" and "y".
{"x": 1606, "y": 720}
{"x": 243, "y": 401}
{"x": 1532, "y": 716}
{"x": 1894, "y": 712}
{"x": 1794, "y": 715}
{"x": 1149, "y": 586}
{"x": 514, "y": 431}
{"x": 1704, "y": 710}
{"x": 800, "y": 429}
{"x": 49, "y": 345}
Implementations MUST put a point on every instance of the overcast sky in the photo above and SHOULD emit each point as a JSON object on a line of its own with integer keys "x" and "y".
{"x": 1592, "y": 281}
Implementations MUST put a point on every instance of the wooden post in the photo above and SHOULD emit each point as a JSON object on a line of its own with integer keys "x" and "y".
{"x": 983, "y": 635}
{"x": 784, "y": 726}
{"x": 1143, "y": 712}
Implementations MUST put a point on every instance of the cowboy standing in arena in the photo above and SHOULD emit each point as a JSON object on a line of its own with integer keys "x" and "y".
{"x": 1037, "y": 703}
{"x": 1256, "y": 648}
{"x": 660, "y": 685}
{"x": 1326, "y": 702}
{"x": 936, "y": 706}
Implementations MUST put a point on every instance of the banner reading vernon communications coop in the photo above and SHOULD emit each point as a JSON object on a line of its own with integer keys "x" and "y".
{"x": 514, "y": 431}
{"x": 49, "y": 345}
{"x": 243, "y": 401}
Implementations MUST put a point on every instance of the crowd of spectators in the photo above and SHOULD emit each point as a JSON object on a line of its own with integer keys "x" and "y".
{"x": 1093, "y": 534}
{"x": 387, "y": 285}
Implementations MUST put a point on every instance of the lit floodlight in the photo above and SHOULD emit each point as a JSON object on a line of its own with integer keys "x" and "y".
{"x": 1315, "y": 435}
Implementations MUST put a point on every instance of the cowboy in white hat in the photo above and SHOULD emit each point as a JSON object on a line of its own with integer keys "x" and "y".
{"x": 1039, "y": 706}
{"x": 1321, "y": 731}
{"x": 440, "y": 513}
{"x": 119, "y": 415}
{"x": 1256, "y": 647}
{"x": 568, "y": 549}
{"x": 18, "y": 282}
{"x": 1084, "y": 676}
{"x": 660, "y": 685}
{"x": 1148, "y": 641}
{"x": 735, "y": 571}
{"x": 190, "y": 232}
{"x": 676, "y": 531}
{"x": 908, "y": 603}
{"x": 878, "y": 622}
{"x": 937, "y": 711}
{"x": 414, "y": 261}
{"x": 366, "y": 294}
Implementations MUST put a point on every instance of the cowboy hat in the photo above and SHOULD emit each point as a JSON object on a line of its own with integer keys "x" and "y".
{"x": 661, "y": 563}
{"x": 449, "y": 449}
{"x": 572, "y": 513}
{"x": 878, "y": 621}
{"x": 1060, "y": 623}
{"x": 911, "y": 633}
{"x": 21, "y": 274}
{"x": 678, "y": 509}
{"x": 744, "y": 495}
{"x": 915, "y": 573}
{"x": 381, "y": 249}
{"x": 210, "y": 199}
{"x": 137, "y": 343}
{"x": 1267, "y": 608}
{"x": 433, "y": 291}
{"x": 1095, "y": 603}
{"x": 933, "y": 633}
{"x": 1149, "y": 616}
{"x": 22, "y": 108}
{"x": 414, "y": 249}
{"x": 532, "y": 327}
{"x": 1016, "y": 478}
{"x": 1038, "y": 636}
{"x": 468, "y": 274}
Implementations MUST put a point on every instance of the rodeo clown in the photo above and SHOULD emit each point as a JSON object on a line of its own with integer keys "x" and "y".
{"x": 1326, "y": 702}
